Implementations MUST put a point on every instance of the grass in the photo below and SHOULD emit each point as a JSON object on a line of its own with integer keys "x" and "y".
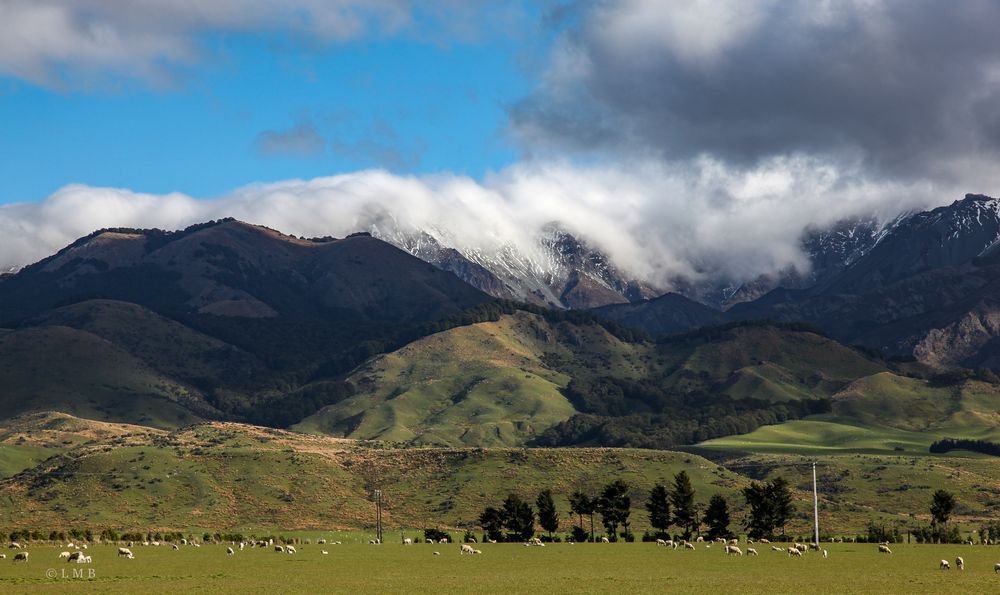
{"x": 558, "y": 568}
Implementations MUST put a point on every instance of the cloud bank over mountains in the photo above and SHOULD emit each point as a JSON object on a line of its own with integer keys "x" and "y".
{"x": 655, "y": 221}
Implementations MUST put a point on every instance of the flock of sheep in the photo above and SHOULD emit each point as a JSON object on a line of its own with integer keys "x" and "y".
{"x": 729, "y": 546}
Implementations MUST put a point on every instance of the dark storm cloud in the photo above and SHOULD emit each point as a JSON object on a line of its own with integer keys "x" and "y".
{"x": 907, "y": 88}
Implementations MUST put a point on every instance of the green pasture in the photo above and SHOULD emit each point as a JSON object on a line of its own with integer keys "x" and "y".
{"x": 508, "y": 568}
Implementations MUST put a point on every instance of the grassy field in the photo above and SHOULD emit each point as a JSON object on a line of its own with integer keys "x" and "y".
{"x": 557, "y": 568}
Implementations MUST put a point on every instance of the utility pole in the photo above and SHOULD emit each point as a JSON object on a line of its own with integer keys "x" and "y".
{"x": 378, "y": 515}
{"x": 815, "y": 506}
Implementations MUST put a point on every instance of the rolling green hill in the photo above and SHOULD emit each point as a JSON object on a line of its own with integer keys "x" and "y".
{"x": 233, "y": 476}
{"x": 527, "y": 377}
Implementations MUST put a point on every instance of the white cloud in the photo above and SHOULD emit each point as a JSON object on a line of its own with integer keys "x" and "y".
{"x": 656, "y": 221}
{"x": 69, "y": 42}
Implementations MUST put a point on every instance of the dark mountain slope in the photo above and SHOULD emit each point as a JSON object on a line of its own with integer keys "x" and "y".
{"x": 667, "y": 314}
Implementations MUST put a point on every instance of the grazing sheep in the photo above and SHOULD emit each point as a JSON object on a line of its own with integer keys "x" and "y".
{"x": 126, "y": 553}
{"x": 689, "y": 546}
{"x": 437, "y": 553}
{"x": 196, "y": 544}
{"x": 3, "y": 556}
{"x": 794, "y": 551}
{"x": 734, "y": 542}
{"x": 944, "y": 565}
{"x": 477, "y": 551}
{"x": 279, "y": 548}
{"x": 467, "y": 549}
{"x": 74, "y": 556}
{"x": 290, "y": 549}
{"x": 429, "y": 541}
{"x": 801, "y": 547}
{"x": 444, "y": 540}
{"x": 325, "y": 553}
{"x": 229, "y": 551}
{"x": 996, "y": 568}
{"x": 733, "y": 550}
{"x": 242, "y": 545}
{"x": 776, "y": 548}
{"x": 22, "y": 556}
{"x": 700, "y": 539}
{"x": 176, "y": 547}
{"x": 661, "y": 542}
{"x": 372, "y": 542}
{"x": 765, "y": 541}
{"x": 407, "y": 541}
{"x": 14, "y": 545}
{"x": 884, "y": 549}
{"x": 492, "y": 540}
{"x": 320, "y": 541}
{"x": 960, "y": 563}
{"x": 84, "y": 560}
{"x": 751, "y": 551}
{"x": 64, "y": 554}
{"x": 825, "y": 554}
{"x": 605, "y": 540}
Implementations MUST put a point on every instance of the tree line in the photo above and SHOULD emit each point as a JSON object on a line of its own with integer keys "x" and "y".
{"x": 674, "y": 506}
{"x": 982, "y": 446}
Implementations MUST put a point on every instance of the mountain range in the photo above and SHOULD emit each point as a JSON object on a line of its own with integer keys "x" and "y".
{"x": 405, "y": 339}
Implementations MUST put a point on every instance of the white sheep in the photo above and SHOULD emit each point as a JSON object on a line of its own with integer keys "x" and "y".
{"x": 794, "y": 551}
{"x": 960, "y": 563}
{"x": 944, "y": 565}
{"x": 689, "y": 546}
{"x": 126, "y": 553}
{"x": 229, "y": 551}
{"x": 325, "y": 553}
{"x": 20, "y": 556}
{"x": 733, "y": 550}
{"x": 776, "y": 548}
{"x": 84, "y": 560}
{"x": 74, "y": 556}
{"x": 884, "y": 549}
{"x": 765, "y": 541}
{"x": 467, "y": 549}
{"x": 407, "y": 541}
{"x": 996, "y": 568}
{"x": 661, "y": 542}
{"x": 444, "y": 540}
{"x": 3, "y": 556}
{"x": 279, "y": 548}
{"x": 751, "y": 551}
{"x": 176, "y": 547}
{"x": 437, "y": 553}
{"x": 290, "y": 549}
{"x": 64, "y": 554}
{"x": 605, "y": 540}
{"x": 825, "y": 554}
{"x": 477, "y": 551}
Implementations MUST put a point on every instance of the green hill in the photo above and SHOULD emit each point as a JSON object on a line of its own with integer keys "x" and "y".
{"x": 253, "y": 479}
{"x": 529, "y": 377}
{"x": 74, "y": 371}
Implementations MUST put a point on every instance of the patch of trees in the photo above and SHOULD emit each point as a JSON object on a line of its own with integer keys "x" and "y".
{"x": 957, "y": 376}
{"x": 770, "y": 507}
{"x": 645, "y": 414}
{"x": 981, "y": 446}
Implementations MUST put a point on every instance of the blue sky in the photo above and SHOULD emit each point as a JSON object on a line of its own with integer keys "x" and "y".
{"x": 396, "y": 103}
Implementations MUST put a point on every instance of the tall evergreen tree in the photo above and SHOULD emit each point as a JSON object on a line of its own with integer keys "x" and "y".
{"x": 491, "y": 520}
{"x": 717, "y": 518}
{"x": 685, "y": 515}
{"x": 518, "y": 518}
{"x": 548, "y": 518}
{"x": 615, "y": 506}
{"x": 780, "y": 496}
{"x": 942, "y": 503}
{"x": 758, "y": 522}
{"x": 658, "y": 507}
{"x": 580, "y": 504}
